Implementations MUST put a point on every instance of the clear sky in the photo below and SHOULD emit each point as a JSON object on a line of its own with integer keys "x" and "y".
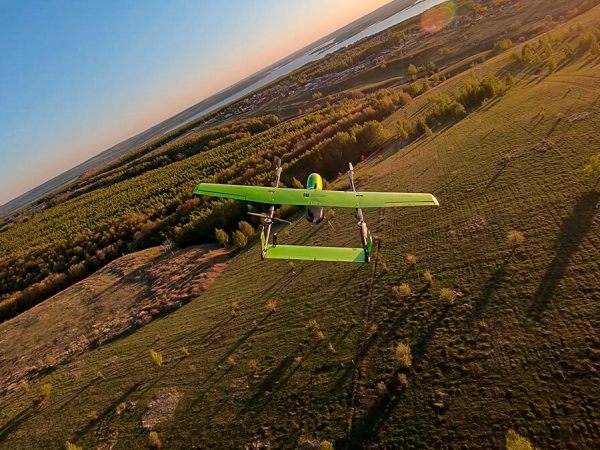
{"x": 77, "y": 77}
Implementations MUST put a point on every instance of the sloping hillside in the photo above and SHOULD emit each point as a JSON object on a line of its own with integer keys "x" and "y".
{"x": 517, "y": 348}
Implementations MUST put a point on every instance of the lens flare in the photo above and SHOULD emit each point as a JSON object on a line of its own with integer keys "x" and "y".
{"x": 438, "y": 17}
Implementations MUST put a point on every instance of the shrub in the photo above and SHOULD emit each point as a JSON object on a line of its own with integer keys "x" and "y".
{"x": 569, "y": 52}
{"x": 515, "y": 238}
{"x": 312, "y": 326}
{"x": 50, "y": 361}
{"x": 185, "y": 352}
{"x": 69, "y": 446}
{"x": 551, "y": 65}
{"x": 595, "y": 49}
{"x": 423, "y": 128}
{"x": 412, "y": 70}
{"x": 100, "y": 376}
{"x": 326, "y": 445}
{"x": 25, "y": 387}
{"x": 444, "y": 107}
{"x": 254, "y": 365}
{"x": 509, "y": 79}
{"x": 154, "y": 441}
{"x": 222, "y": 237}
{"x": 320, "y": 335}
{"x": 445, "y": 51}
{"x": 272, "y": 306}
{"x": 381, "y": 388}
{"x": 331, "y": 348}
{"x": 428, "y": 277}
{"x": 156, "y": 358}
{"x": 45, "y": 392}
{"x": 515, "y": 26}
{"x": 587, "y": 41}
{"x": 515, "y": 441}
{"x": 403, "y": 356}
{"x": 239, "y": 239}
{"x": 401, "y": 131}
{"x": 246, "y": 228}
{"x": 504, "y": 44}
{"x": 411, "y": 259}
{"x": 231, "y": 362}
{"x": 403, "y": 380}
{"x": 416, "y": 89}
{"x": 401, "y": 291}
{"x": 476, "y": 90}
{"x": 447, "y": 296}
{"x": 592, "y": 170}
{"x": 317, "y": 96}
{"x": 516, "y": 57}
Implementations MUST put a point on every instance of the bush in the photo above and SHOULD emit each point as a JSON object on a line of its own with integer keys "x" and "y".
{"x": 271, "y": 306}
{"x": 69, "y": 446}
{"x": 447, "y": 297}
{"x": 444, "y": 107}
{"x": 504, "y": 44}
{"x": 416, "y": 89}
{"x": 403, "y": 356}
{"x": 515, "y": 238}
{"x": 239, "y": 239}
{"x": 45, "y": 392}
{"x": 326, "y": 445}
{"x": 445, "y": 51}
{"x": 592, "y": 170}
{"x": 401, "y": 291}
{"x": 246, "y": 228}
{"x": 222, "y": 237}
{"x": 154, "y": 441}
{"x": 476, "y": 90}
{"x": 428, "y": 277}
{"x": 569, "y": 52}
{"x": 515, "y": 441}
{"x": 423, "y": 128}
{"x": 515, "y": 26}
{"x": 156, "y": 358}
{"x": 551, "y": 65}
{"x": 411, "y": 260}
{"x": 403, "y": 380}
{"x": 587, "y": 41}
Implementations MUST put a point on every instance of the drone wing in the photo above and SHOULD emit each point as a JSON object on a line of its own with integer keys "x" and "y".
{"x": 307, "y": 197}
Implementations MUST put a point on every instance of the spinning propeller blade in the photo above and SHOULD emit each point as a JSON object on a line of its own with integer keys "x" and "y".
{"x": 264, "y": 216}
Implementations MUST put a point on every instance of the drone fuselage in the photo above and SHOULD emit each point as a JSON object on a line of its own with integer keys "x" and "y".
{"x": 314, "y": 214}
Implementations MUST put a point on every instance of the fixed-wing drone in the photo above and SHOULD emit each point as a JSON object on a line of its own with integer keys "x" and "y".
{"x": 315, "y": 199}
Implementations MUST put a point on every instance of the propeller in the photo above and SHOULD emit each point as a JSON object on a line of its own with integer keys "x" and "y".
{"x": 266, "y": 217}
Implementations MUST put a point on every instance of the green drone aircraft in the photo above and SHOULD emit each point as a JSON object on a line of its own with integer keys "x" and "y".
{"x": 315, "y": 199}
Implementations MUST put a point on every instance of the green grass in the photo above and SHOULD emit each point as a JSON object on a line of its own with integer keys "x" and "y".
{"x": 533, "y": 368}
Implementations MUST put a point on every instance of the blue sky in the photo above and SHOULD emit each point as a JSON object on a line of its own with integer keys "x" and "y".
{"x": 77, "y": 77}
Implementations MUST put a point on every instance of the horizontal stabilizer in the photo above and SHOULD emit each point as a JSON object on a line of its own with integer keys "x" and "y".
{"x": 333, "y": 254}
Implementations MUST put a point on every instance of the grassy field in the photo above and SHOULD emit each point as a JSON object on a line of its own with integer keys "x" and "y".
{"x": 518, "y": 348}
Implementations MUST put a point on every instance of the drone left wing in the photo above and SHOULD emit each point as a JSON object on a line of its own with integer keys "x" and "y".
{"x": 309, "y": 197}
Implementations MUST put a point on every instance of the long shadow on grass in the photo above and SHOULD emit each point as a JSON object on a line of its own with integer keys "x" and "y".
{"x": 93, "y": 423}
{"x": 572, "y": 232}
{"x": 13, "y": 424}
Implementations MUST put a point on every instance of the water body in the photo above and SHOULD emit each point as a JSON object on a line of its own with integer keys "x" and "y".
{"x": 321, "y": 51}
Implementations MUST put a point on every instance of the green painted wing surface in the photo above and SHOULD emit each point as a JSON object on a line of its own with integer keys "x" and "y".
{"x": 306, "y": 197}
{"x": 333, "y": 254}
